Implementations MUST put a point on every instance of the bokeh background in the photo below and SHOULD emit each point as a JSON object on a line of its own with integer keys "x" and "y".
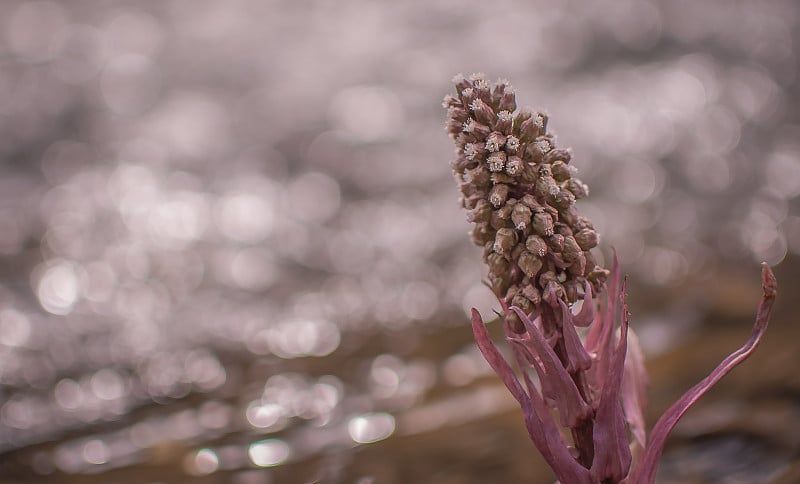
{"x": 231, "y": 248}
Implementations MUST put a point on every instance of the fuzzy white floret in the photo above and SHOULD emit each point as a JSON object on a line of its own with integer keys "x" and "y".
{"x": 504, "y": 116}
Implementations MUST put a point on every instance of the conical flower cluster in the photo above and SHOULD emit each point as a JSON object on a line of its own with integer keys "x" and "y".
{"x": 520, "y": 191}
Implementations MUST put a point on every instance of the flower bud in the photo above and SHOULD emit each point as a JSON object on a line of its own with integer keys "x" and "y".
{"x": 514, "y": 323}
{"x": 546, "y": 277}
{"x": 512, "y": 291}
{"x": 500, "y": 281}
{"x": 587, "y": 239}
{"x": 461, "y": 163}
{"x": 497, "y": 161}
{"x": 546, "y": 185}
{"x": 536, "y": 245}
{"x": 474, "y": 151}
{"x": 468, "y": 198}
{"x": 481, "y": 233}
{"x": 503, "y": 122}
{"x": 512, "y": 144}
{"x": 528, "y": 174}
{"x": 471, "y": 197}
{"x": 529, "y": 263}
{"x": 578, "y": 266}
{"x": 578, "y": 188}
{"x": 499, "y": 88}
{"x": 530, "y": 201}
{"x": 468, "y": 95}
{"x": 502, "y": 177}
{"x": 450, "y": 101}
{"x": 519, "y": 119}
{"x": 591, "y": 263}
{"x": 457, "y": 112}
{"x": 528, "y": 131}
{"x": 569, "y": 215}
{"x": 553, "y": 291}
{"x": 543, "y": 224}
{"x": 479, "y": 81}
{"x": 461, "y": 82}
{"x": 541, "y": 121}
{"x": 515, "y": 253}
{"x": 479, "y": 130}
{"x": 563, "y": 229}
{"x": 478, "y": 176}
{"x": 484, "y": 93}
{"x": 514, "y": 165}
{"x": 571, "y": 249}
{"x": 508, "y": 101}
{"x": 523, "y": 303}
{"x": 558, "y": 154}
{"x": 563, "y": 199}
{"x": 482, "y": 111}
{"x": 505, "y": 240}
{"x": 495, "y": 141}
{"x": 571, "y": 290}
{"x": 521, "y": 216}
{"x": 487, "y": 249}
{"x": 582, "y": 222}
{"x": 453, "y": 127}
{"x": 497, "y": 263}
{"x": 501, "y": 218}
{"x": 598, "y": 276}
{"x": 555, "y": 242}
{"x": 561, "y": 171}
{"x": 533, "y": 294}
{"x": 539, "y": 148}
{"x": 547, "y": 188}
{"x": 481, "y": 213}
{"x": 464, "y": 138}
{"x": 498, "y": 195}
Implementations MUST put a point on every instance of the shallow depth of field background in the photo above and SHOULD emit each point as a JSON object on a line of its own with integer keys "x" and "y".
{"x": 231, "y": 248}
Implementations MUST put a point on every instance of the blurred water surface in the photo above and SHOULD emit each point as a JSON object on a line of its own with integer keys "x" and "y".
{"x": 231, "y": 248}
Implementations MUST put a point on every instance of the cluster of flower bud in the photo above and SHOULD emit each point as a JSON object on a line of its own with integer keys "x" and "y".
{"x": 520, "y": 193}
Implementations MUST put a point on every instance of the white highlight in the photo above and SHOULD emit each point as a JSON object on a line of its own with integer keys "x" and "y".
{"x": 371, "y": 427}
{"x": 58, "y": 288}
{"x": 268, "y": 453}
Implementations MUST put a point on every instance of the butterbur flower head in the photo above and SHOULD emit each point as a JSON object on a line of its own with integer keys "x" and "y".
{"x": 516, "y": 147}
{"x": 521, "y": 192}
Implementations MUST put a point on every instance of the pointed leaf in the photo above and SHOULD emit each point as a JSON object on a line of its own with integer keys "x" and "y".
{"x": 645, "y": 472}
{"x": 598, "y": 341}
{"x": 634, "y": 389}
{"x": 522, "y": 346}
{"x": 564, "y": 465}
{"x": 612, "y": 455}
{"x": 492, "y": 356}
{"x": 577, "y": 357}
{"x": 543, "y": 432}
{"x": 588, "y": 310}
{"x": 571, "y": 407}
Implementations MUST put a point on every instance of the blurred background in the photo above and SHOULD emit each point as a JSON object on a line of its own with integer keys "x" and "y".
{"x": 231, "y": 248}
